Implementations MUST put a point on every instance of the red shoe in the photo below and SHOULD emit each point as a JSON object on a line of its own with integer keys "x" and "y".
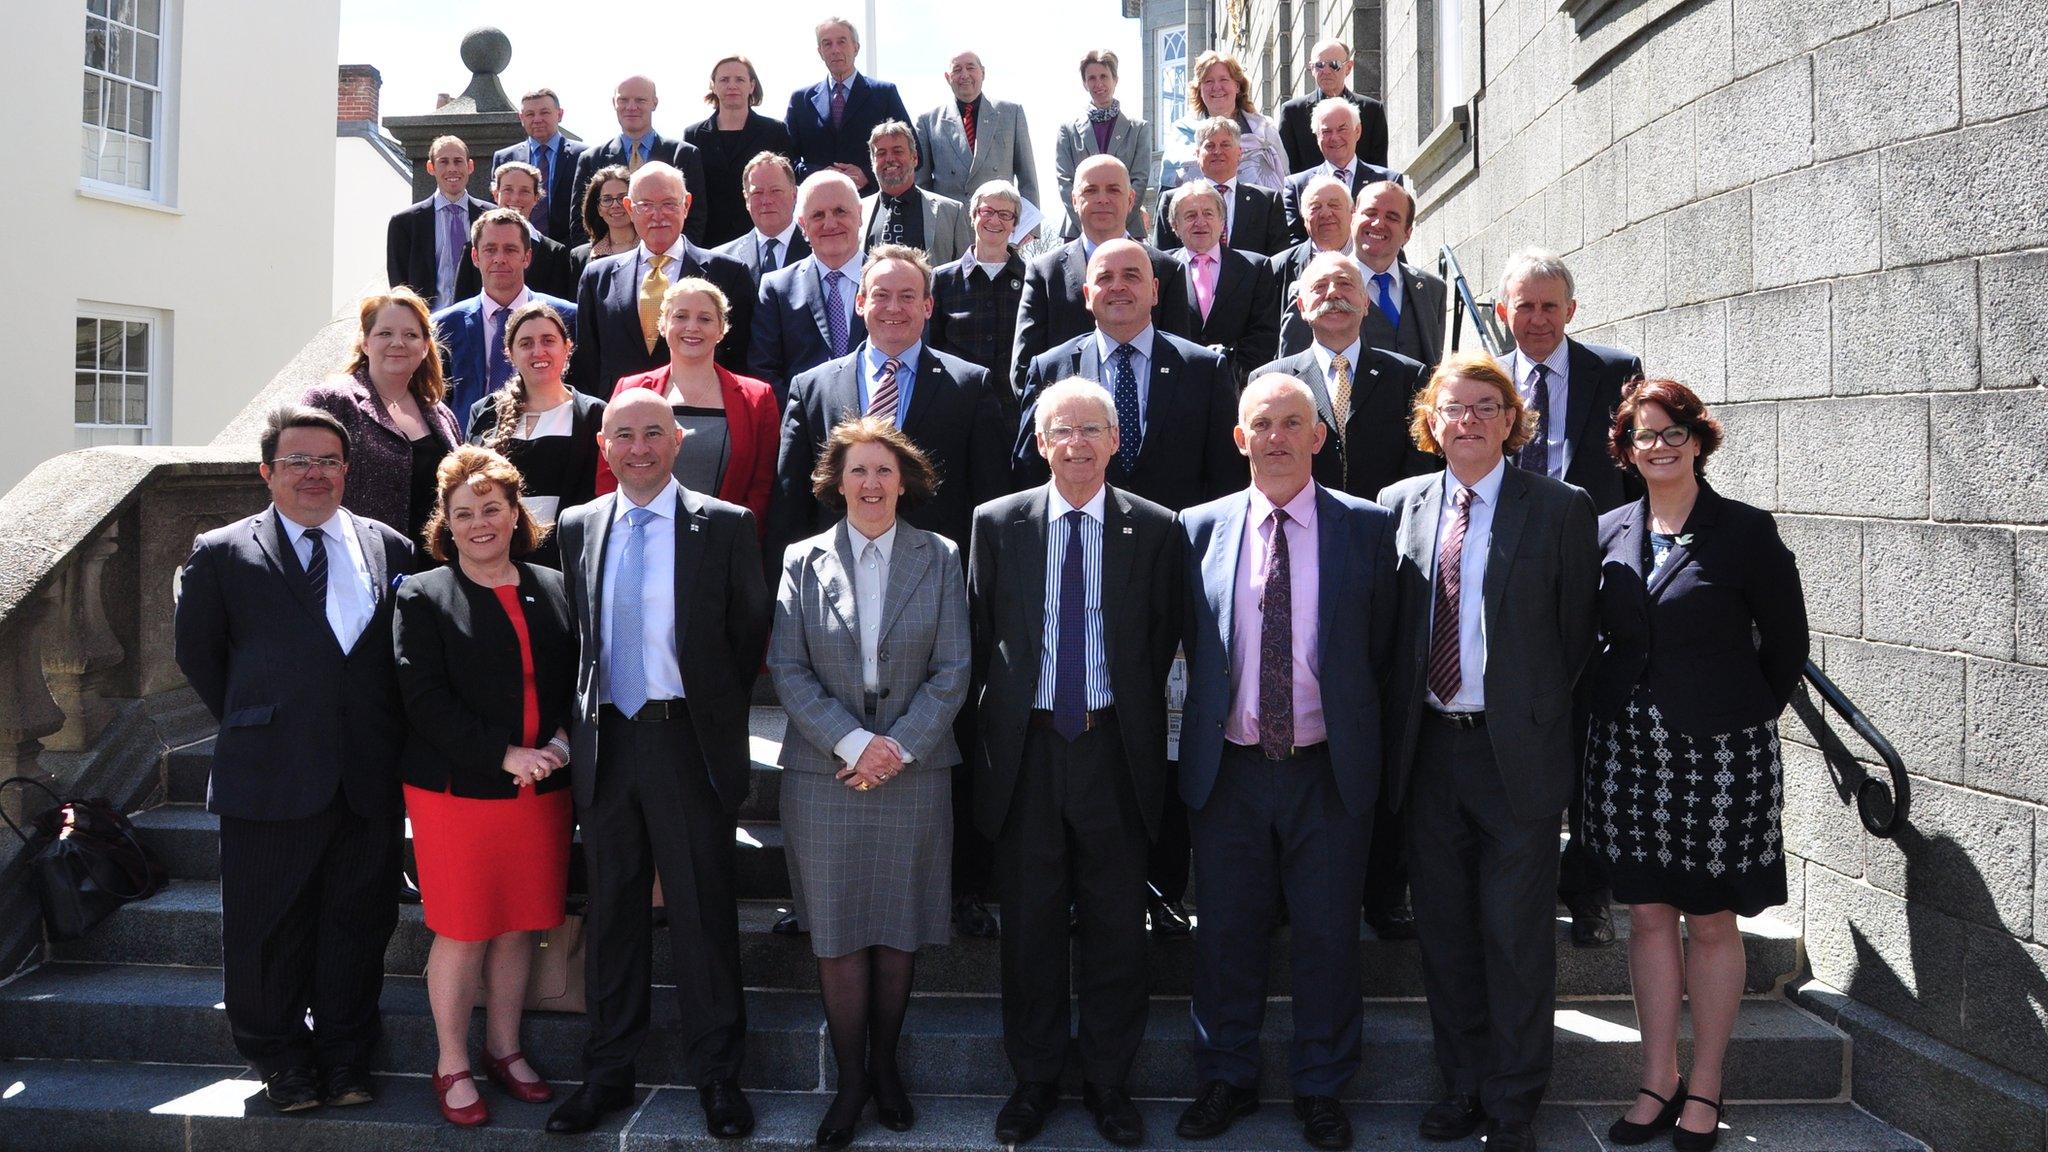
{"x": 529, "y": 1091}
{"x": 469, "y": 1115}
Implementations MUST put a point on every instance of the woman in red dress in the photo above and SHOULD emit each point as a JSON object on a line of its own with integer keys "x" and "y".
{"x": 487, "y": 662}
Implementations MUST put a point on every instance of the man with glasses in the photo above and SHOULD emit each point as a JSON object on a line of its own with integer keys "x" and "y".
{"x": 283, "y": 628}
{"x": 975, "y": 298}
{"x": 1332, "y": 71}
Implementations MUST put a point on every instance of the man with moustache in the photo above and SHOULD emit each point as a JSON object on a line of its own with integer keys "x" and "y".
{"x": 554, "y": 156}
{"x": 830, "y": 120}
{"x": 517, "y": 185}
{"x": 1252, "y": 216}
{"x": 806, "y": 314}
{"x": 1219, "y": 297}
{"x": 633, "y": 103}
{"x": 973, "y": 139}
{"x": 768, "y": 183}
{"x": 472, "y": 334}
{"x": 900, "y": 212}
{"x": 426, "y": 247}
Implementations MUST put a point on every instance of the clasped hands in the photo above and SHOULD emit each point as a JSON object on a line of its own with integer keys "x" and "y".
{"x": 529, "y": 766}
{"x": 879, "y": 762}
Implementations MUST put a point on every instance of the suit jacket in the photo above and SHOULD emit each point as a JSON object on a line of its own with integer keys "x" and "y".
{"x": 1188, "y": 455}
{"x": 819, "y": 145}
{"x": 946, "y": 232}
{"x": 1001, "y": 151}
{"x": 1376, "y": 446}
{"x": 725, "y": 156}
{"x": 751, "y": 425}
{"x": 1542, "y": 574}
{"x": 747, "y": 250}
{"x": 380, "y": 456}
{"x": 1053, "y": 310}
{"x": 299, "y": 718}
{"x": 1685, "y": 634}
{"x": 1597, "y": 374}
{"x": 1355, "y": 624}
{"x": 585, "y": 462}
{"x": 976, "y": 319}
{"x": 814, "y": 652}
{"x": 465, "y": 691}
{"x": 1421, "y": 333}
{"x": 1130, "y": 140}
{"x": 1298, "y": 134}
{"x": 1006, "y": 582}
{"x": 1242, "y": 326}
{"x": 411, "y": 259}
{"x": 1257, "y": 222}
{"x": 608, "y": 339}
{"x": 465, "y": 358}
{"x": 953, "y": 417}
{"x": 553, "y": 270}
{"x": 1362, "y": 173}
{"x": 681, "y": 154}
{"x": 564, "y": 199}
{"x": 791, "y": 335}
{"x": 722, "y": 619}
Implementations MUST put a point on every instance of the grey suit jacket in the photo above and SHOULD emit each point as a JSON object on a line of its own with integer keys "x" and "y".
{"x": 1002, "y": 150}
{"x": 946, "y": 231}
{"x": 1130, "y": 140}
{"x": 814, "y": 652}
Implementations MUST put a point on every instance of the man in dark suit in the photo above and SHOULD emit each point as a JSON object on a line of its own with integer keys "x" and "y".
{"x": 1072, "y": 592}
{"x": 637, "y": 143}
{"x": 1336, "y": 125}
{"x": 1253, "y": 218}
{"x": 672, "y": 617}
{"x": 472, "y": 333}
{"x": 1407, "y": 314}
{"x": 975, "y": 298}
{"x": 284, "y": 630}
{"x": 426, "y": 247}
{"x": 806, "y": 314}
{"x": 555, "y": 155}
{"x": 1288, "y": 590}
{"x": 517, "y": 185}
{"x": 830, "y": 120}
{"x": 900, "y": 212}
{"x": 1326, "y": 209}
{"x": 768, "y": 183}
{"x": 1498, "y": 569}
{"x": 1332, "y": 72}
{"x": 618, "y": 301}
{"x": 1218, "y": 297}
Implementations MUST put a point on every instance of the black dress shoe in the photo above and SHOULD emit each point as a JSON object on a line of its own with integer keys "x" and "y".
{"x": 1511, "y": 1136}
{"x": 894, "y": 1112}
{"x": 1169, "y": 917}
{"x": 292, "y": 1090}
{"x": 727, "y": 1115}
{"x": 1686, "y": 1140}
{"x": 788, "y": 925}
{"x": 585, "y": 1107}
{"x": 1627, "y": 1132}
{"x": 1215, "y": 1110}
{"x": 1391, "y": 923}
{"x": 345, "y": 1084}
{"x": 1023, "y": 1114}
{"x": 1592, "y": 926}
{"x": 1116, "y": 1117}
{"x": 1323, "y": 1122}
{"x": 975, "y": 918}
{"x": 1452, "y": 1118}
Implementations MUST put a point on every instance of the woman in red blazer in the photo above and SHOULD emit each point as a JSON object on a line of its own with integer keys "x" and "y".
{"x": 731, "y": 426}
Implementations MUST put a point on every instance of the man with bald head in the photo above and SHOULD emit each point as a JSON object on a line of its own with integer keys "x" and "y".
{"x": 972, "y": 139}
{"x": 1326, "y": 210}
{"x": 618, "y": 301}
{"x": 830, "y": 120}
{"x": 1336, "y": 126}
{"x": 805, "y": 315}
{"x": 637, "y": 143}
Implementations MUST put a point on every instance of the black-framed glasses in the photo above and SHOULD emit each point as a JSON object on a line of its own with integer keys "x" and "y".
{"x": 1672, "y": 435}
{"x": 299, "y": 464}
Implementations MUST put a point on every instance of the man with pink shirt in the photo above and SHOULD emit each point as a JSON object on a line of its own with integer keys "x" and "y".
{"x": 1289, "y": 599}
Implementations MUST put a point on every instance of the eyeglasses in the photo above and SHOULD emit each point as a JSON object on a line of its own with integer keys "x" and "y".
{"x": 298, "y": 464}
{"x": 1061, "y": 433}
{"x": 1484, "y": 410}
{"x": 611, "y": 201}
{"x": 1672, "y": 435}
{"x": 1331, "y": 65}
{"x": 997, "y": 214}
{"x": 650, "y": 207}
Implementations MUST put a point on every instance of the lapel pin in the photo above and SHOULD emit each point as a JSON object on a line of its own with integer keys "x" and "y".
{"x": 693, "y": 527}
{"x": 1127, "y": 531}
{"x": 1163, "y": 370}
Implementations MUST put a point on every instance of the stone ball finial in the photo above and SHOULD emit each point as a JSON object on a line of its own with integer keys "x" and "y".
{"x": 486, "y": 51}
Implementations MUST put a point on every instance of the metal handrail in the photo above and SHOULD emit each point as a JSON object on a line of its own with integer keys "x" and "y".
{"x": 1872, "y": 791}
{"x": 1462, "y": 302}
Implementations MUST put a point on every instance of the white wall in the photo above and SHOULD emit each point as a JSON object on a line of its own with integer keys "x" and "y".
{"x": 367, "y": 191}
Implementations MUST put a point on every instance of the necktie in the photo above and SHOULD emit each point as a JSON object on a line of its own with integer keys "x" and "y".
{"x": 1223, "y": 190}
{"x": 1205, "y": 282}
{"x": 967, "y": 123}
{"x": 1124, "y": 389}
{"x": 546, "y": 163}
{"x": 500, "y": 369}
{"x": 448, "y": 264}
{"x": 835, "y": 313}
{"x": 1070, "y": 667}
{"x": 1535, "y": 455}
{"x": 838, "y": 104}
{"x": 883, "y": 402}
{"x": 628, "y": 665}
{"x": 769, "y": 260}
{"x": 1340, "y": 399}
{"x": 1445, "y": 674}
{"x": 316, "y": 567}
{"x": 1276, "y": 648}
{"x": 1384, "y": 281}
{"x": 638, "y": 157}
{"x": 652, "y": 290}
{"x": 892, "y": 219}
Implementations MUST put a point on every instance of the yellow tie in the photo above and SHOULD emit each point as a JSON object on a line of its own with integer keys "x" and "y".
{"x": 652, "y": 290}
{"x": 635, "y": 159}
{"x": 1340, "y": 404}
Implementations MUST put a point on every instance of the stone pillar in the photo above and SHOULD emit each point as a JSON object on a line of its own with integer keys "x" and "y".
{"x": 80, "y": 646}
{"x": 27, "y": 711}
{"x": 482, "y": 116}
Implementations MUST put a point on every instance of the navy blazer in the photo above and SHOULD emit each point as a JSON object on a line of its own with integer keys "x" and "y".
{"x": 1188, "y": 454}
{"x": 1593, "y": 393}
{"x": 1242, "y": 326}
{"x": 410, "y": 257}
{"x": 1053, "y": 309}
{"x": 1257, "y": 222}
{"x": 564, "y": 205}
{"x": 1718, "y": 636}
{"x": 791, "y": 335}
{"x": 819, "y": 145}
{"x": 608, "y": 340}
{"x": 1383, "y": 388}
{"x": 1298, "y": 133}
{"x": 465, "y": 363}
{"x": 681, "y": 155}
{"x": 747, "y": 250}
{"x": 1362, "y": 173}
{"x": 1355, "y": 616}
{"x": 299, "y": 718}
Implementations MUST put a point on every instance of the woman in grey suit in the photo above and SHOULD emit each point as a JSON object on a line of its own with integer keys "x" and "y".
{"x": 870, "y": 658}
{"x": 1105, "y": 127}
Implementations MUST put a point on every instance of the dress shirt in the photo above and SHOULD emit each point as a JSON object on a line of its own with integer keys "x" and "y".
{"x": 1342, "y": 173}
{"x": 906, "y": 376}
{"x": 658, "y": 608}
{"x": 1229, "y": 195}
{"x": 821, "y": 98}
{"x": 1248, "y": 625}
{"x": 870, "y": 587}
{"x": 447, "y": 264}
{"x": 1557, "y": 447}
{"x": 1471, "y": 587}
{"x": 1324, "y": 355}
{"x": 1395, "y": 288}
{"x": 491, "y": 312}
{"x": 1141, "y": 367}
{"x": 781, "y": 239}
{"x": 644, "y": 142}
{"x": 350, "y": 602}
{"x": 1056, "y": 509}
{"x": 673, "y": 270}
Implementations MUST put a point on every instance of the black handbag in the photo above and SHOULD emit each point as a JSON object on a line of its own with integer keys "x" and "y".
{"x": 85, "y": 860}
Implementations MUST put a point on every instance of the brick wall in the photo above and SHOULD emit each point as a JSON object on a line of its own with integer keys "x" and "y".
{"x": 356, "y": 93}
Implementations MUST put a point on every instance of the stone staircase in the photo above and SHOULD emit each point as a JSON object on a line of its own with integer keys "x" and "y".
{"x": 119, "y": 1040}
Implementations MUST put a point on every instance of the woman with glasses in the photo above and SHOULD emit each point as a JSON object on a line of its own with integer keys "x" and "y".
{"x": 975, "y": 298}
{"x": 605, "y": 218}
{"x": 1702, "y": 640}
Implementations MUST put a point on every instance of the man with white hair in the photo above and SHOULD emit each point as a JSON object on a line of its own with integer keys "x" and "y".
{"x": 829, "y": 121}
{"x": 1326, "y": 209}
{"x": 805, "y": 315}
{"x": 1336, "y": 126}
{"x": 1252, "y": 216}
{"x": 1332, "y": 72}
{"x": 1220, "y": 297}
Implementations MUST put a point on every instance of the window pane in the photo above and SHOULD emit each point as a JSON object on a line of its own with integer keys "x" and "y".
{"x": 141, "y": 112}
{"x": 148, "y": 16}
{"x": 84, "y": 395}
{"x": 92, "y": 99}
{"x": 89, "y": 154}
{"x": 124, "y": 11}
{"x": 110, "y": 346}
{"x": 138, "y": 346}
{"x": 96, "y": 7}
{"x": 121, "y": 58}
{"x": 95, "y": 43}
{"x": 138, "y": 164}
{"x": 88, "y": 341}
{"x": 117, "y": 105}
{"x": 147, "y": 49}
{"x": 138, "y": 401}
{"x": 109, "y": 406}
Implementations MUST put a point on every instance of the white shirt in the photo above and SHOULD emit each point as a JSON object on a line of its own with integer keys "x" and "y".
{"x": 643, "y": 260}
{"x": 1095, "y": 644}
{"x": 1471, "y": 587}
{"x": 657, "y": 594}
{"x": 781, "y": 239}
{"x": 870, "y": 589}
{"x": 556, "y": 421}
{"x": 1557, "y": 447}
{"x": 350, "y": 597}
{"x": 1229, "y": 195}
{"x": 1323, "y": 358}
{"x": 851, "y": 271}
{"x": 1395, "y": 289}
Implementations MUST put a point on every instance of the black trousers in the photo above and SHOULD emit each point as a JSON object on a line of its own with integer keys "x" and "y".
{"x": 1172, "y": 853}
{"x": 1274, "y": 828}
{"x": 306, "y": 908}
{"x": 973, "y": 854}
{"x": 1073, "y": 838}
{"x": 1484, "y": 885}
{"x": 656, "y": 812}
{"x": 1386, "y": 868}
{"x": 1581, "y": 874}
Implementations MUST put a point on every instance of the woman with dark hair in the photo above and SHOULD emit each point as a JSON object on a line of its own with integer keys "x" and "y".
{"x": 869, "y": 657}
{"x": 546, "y": 428}
{"x": 389, "y": 398}
{"x": 487, "y": 664}
{"x": 605, "y": 218}
{"x": 1217, "y": 86}
{"x": 1702, "y": 641}
{"x": 732, "y": 135}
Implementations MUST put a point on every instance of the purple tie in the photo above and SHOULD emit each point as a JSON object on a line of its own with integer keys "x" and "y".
{"x": 1535, "y": 455}
{"x": 494, "y": 342}
{"x": 838, "y": 104}
{"x": 449, "y": 264}
{"x": 1446, "y": 673}
{"x": 1276, "y": 648}
{"x": 1070, "y": 656}
{"x": 835, "y": 313}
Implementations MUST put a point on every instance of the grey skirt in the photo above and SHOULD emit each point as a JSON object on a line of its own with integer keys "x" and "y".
{"x": 875, "y": 866}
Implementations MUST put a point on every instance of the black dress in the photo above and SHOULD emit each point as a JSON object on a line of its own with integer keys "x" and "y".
{"x": 427, "y": 452}
{"x": 725, "y": 157}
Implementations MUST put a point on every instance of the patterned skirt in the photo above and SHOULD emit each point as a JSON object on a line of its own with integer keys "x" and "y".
{"x": 1689, "y": 819}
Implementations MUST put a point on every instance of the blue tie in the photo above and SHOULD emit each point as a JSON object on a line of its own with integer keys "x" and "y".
{"x": 628, "y": 663}
{"x": 546, "y": 163}
{"x": 835, "y": 313}
{"x": 1385, "y": 283}
{"x": 1124, "y": 389}
{"x": 1070, "y": 667}
{"x": 499, "y": 368}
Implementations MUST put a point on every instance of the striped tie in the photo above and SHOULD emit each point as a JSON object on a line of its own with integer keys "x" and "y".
{"x": 1445, "y": 675}
{"x": 883, "y": 402}
{"x": 316, "y": 566}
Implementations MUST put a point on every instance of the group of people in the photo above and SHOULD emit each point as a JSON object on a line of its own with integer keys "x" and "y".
{"x": 527, "y": 554}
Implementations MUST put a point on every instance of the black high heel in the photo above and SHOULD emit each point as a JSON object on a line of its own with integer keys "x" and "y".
{"x": 1687, "y": 1140}
{"x": 833, "y": 1137}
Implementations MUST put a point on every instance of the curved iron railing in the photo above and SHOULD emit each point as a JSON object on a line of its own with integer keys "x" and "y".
{"x": 1881, "y": 806}
{"x": 1463, "y": 303}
